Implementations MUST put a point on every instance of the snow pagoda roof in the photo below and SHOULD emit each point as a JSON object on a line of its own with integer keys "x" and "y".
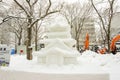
{"x": 59, "y": 51}
{"x": 60, "y": 48}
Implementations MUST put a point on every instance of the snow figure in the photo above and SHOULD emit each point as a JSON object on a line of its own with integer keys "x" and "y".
{"x": 59, "y": 47}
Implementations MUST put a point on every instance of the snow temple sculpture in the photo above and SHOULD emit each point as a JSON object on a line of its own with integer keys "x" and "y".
{"x": 59, "y": 47}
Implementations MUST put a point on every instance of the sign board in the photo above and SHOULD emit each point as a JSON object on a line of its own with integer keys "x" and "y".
{"x": 4, "y": 55}
{"x": 21, "y": 49}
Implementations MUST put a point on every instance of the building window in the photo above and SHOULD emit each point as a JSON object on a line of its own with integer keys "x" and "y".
{"x": 4, "y": 49}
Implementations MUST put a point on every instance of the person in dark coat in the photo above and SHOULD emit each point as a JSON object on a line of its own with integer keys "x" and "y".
{"x": 114, "y": 51}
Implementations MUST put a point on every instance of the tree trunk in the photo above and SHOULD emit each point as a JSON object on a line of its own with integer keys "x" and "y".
{"x": 19, "y": 39}
{"x": 108, "y": 37}
{"x": 104, "y": 42}
{"x": 108, "y": 41}
{"x": 77, "y": 44}
{"x": 29, "y": 53}
{"x": 36, "y": 41}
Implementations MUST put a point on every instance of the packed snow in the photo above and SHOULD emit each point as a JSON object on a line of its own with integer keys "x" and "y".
{"x": 88, "y": 62}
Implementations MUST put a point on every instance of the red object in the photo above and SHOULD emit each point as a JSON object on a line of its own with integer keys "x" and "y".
{"x": 21, "y": 51}
{"x": 102, "y": 51}
{"x": 86, "y": 44}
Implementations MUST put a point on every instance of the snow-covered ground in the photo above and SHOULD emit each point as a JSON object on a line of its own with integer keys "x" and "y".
{"x": 88, "y": 62}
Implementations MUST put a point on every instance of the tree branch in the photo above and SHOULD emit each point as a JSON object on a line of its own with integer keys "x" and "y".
{"x": 34, "y": 2}
{"x": 47, "y": 10}
{"x": 9, "y": 18}
{"x": 99, "y": 16}
{"x": 22, "y": 7}
{"x": 28, "y": 2}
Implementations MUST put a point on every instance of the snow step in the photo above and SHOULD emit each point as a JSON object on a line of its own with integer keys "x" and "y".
{"x": 19, "y": 75}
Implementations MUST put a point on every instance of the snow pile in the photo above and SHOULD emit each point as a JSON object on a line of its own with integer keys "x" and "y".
{"x": 88, "y": 62}
{"x": 19, "y": 63}
{"x": 106, "y": 60}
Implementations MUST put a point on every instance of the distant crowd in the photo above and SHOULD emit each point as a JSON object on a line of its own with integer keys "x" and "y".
{"x": 101, "y": 50}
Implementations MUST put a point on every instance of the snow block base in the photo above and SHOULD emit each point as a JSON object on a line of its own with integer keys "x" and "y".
{"x": 19, "y": 75}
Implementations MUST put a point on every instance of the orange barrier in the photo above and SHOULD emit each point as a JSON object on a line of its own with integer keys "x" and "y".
{"x": 86, "y": 44}
{"x": 114, "y": 40}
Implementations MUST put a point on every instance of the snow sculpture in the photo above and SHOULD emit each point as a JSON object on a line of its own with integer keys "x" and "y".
{"x": 60, "y": 32}
{"x": 59, "y": 47}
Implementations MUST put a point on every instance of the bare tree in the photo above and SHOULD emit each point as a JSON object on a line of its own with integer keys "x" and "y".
{"x": 4, "y": 34}
{"x": 100, "y": 36}
{"x": 106, "y": 18}
{"x": 37, "y": 34}
{"x": 38, "y": 30}
{"x": 3, "y": 12}
{"x": 17, "y": 26}
{"x": 76, "y": 15}
{"x": 30, "y": 12}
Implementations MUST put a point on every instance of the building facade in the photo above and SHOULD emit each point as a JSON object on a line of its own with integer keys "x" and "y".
{"x": 88, "y": 27}
{"x": 115, "y": 24}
